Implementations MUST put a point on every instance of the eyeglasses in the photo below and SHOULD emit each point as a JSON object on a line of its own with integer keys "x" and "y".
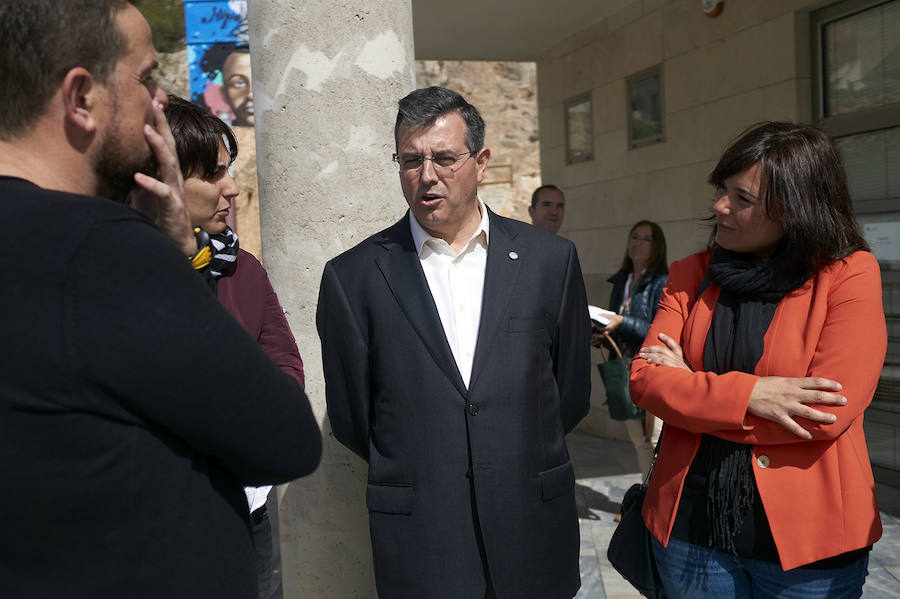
{"x": 636, "y": 237}
{"x": 442, "y": 162}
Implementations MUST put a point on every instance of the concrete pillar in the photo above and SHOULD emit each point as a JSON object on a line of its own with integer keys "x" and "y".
{"x": 326, "y": 79}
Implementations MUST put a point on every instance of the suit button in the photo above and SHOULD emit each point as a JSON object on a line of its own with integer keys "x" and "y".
{"x": 763, "y": 461}
{"x": 472, "y": 409}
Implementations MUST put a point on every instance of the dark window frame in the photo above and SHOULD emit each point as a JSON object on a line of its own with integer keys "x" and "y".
{"x": 630, "y": 81}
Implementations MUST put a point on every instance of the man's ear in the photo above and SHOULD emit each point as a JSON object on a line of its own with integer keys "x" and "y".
{"x": 481, "y": 162}
{"x": 81, "y": 97}
{"x": 531, "y": 212}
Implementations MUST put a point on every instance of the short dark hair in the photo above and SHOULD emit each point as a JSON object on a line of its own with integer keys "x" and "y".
{"x": 658, "y": 263}
{"x": 802, "y": 185}
{"x": 41, "y": 41}
{"x": 534, "y": 195}
{"x": 424, "y": 106}
{"x": 198, "y": 133}
{"x": 215, "y": 56}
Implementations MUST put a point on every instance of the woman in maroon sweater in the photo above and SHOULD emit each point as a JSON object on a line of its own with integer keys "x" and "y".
{"x": 206, "y": 148}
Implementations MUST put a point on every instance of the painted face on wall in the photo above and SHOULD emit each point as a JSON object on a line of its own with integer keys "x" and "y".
{"x": 237, "y": 88}
{"x": 742, "y": 224}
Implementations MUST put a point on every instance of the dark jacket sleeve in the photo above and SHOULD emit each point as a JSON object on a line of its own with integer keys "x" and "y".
{"x": 346, "y": 364}
{"x": 571, "y": 347}
{"x": 144, "y": 325}
{"x": 276, "y": 338}
{"x": 252, "y": 290}
{"x": 635, "y": 325}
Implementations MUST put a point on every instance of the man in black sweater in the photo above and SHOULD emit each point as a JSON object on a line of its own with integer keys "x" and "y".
{"x": 132, "y": 407}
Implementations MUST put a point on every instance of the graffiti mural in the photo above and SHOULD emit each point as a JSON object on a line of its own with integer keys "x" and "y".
{"x": 219, "y": 58}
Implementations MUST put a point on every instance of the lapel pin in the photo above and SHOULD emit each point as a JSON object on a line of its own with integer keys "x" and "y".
{"x": 513, "y": 256}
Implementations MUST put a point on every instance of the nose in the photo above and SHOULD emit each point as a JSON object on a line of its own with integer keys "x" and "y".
{"x": 160, "y": 96}
{"x": 230, "y": 189}
{"x": 428, "y": 173}
{"x": 722, "y": 205}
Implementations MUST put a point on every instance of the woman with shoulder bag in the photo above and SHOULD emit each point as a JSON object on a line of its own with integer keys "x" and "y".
{"x": 763, "y": 486}
{"x": 637, "y": 287}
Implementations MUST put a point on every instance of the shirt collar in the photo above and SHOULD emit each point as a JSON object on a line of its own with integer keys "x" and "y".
{"x": 421, "y": 236}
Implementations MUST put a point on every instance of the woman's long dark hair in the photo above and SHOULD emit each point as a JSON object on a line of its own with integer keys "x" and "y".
{"x": 803, "y": 185}
{"x": 657, "y": 263}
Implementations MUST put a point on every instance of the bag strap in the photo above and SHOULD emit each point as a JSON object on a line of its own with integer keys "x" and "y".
{"x": 655, "y": 452}
{"x": 615, "y": 347}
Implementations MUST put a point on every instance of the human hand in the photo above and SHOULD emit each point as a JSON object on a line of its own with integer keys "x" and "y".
{"x": 780, "y": 399}
{"x": 614, "y": 321}
{"x": 669, "y": 354}
{"x": 162, "y": 200}
{"x": 596, "y": 338}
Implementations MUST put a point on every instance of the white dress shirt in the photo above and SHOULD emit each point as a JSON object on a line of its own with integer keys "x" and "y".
{"x": 456, "y": 282}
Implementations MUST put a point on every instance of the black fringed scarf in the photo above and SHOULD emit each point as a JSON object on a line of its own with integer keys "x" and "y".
{"x": 750, "y": 292}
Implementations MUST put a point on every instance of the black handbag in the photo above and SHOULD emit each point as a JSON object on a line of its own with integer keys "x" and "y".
{"x": 615, "y": 374}
{"x": 630, "y": 551}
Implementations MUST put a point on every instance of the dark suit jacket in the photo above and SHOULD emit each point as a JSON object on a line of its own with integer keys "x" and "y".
{"x": 455, "y": 475}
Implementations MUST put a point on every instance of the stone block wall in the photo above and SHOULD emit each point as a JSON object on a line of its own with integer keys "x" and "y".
{"x": 719, "y": 75}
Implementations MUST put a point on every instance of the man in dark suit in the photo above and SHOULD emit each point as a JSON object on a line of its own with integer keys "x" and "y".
{"x": 132, "y": 406}
{"x": 455, "y": 347}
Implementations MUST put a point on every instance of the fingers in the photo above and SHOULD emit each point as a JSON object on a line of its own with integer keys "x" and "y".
{"x": 816, "y": 390}
{"x": 795, "y": 428}
{"x": 815, "y": 415}
{"x": 817, "y": 382}
{"x": 821, "y": 397}
{"x": 157, "y": 188}
{"x": 670, "y": 343}
{"x": 782, "y": 399}
{"x": 662, "y": 356}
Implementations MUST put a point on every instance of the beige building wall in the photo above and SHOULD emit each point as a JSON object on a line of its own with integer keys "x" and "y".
{"x": 719, "y": 75}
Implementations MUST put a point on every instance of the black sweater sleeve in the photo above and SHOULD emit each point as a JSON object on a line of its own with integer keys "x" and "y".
{"x": 143, "y": 326}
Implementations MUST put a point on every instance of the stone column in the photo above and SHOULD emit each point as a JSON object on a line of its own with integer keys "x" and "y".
{"x": 326, "y": 79}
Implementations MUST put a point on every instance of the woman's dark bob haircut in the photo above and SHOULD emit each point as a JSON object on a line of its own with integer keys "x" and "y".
{"x": 198, "y": 133}
{"x": 658, "y": 263}
{"x": 802, "y": 185}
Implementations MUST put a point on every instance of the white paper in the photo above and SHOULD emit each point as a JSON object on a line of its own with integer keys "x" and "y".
{"x": 599, "y": 315}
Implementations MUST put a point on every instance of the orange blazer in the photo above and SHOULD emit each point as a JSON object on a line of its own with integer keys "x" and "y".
{"x": 819, "y": 495}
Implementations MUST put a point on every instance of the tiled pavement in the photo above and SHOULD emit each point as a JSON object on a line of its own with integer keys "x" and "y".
{"x": 605, "y": 468}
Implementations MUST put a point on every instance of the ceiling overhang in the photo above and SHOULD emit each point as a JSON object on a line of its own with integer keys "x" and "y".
{"x": 514, "y": 30}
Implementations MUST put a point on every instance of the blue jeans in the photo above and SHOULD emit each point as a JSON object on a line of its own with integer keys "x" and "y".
{"x": 695, "y": 572}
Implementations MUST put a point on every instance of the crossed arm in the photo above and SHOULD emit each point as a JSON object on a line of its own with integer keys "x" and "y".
{"x": 838, "y": 383}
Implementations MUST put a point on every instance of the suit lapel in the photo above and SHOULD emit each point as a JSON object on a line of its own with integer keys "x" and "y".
{"x": 503, "y": 259}
{"x": 401, "y": 269}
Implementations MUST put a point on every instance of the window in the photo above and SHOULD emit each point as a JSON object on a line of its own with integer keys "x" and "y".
{"x": 645, "y": 107}
{"x": 856, "y": 76}
{"x": 579, "y": 129}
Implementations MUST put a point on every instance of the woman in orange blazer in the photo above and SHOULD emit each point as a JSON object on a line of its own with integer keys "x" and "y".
{"x": 773, "y": 341}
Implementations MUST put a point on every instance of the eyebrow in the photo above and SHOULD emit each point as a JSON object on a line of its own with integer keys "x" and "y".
{"x": 435, "y": 153}
{"x": 747, "y": 192}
